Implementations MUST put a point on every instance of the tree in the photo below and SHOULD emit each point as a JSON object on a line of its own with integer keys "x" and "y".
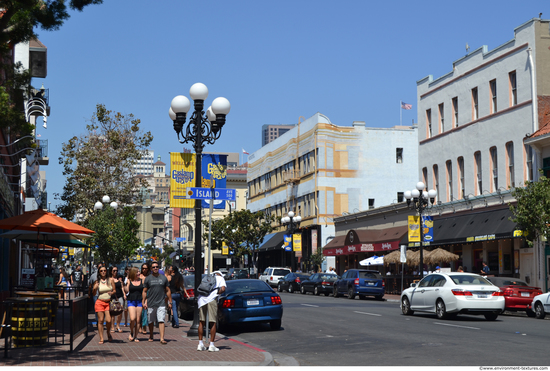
{"x": 101, "y": 161}
{"x": 115, "y": 233}
{"x": 532, "y": 210}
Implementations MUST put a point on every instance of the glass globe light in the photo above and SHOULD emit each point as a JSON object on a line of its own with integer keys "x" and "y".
{"x": 221, "y": 106}
{"x": 180, "y": 104}
{"x": 198, "y": 91}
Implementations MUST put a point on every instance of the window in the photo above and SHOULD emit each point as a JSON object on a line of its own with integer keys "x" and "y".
{"x": 529, "y": 163}
{"x": 513, "y": 88}
{"x": 425, "y": 176}
{"x": 449, "y": 167}
{"x": 429, "y": 122}
{"x": 479, "y": 185}
{"x": 475, "y": 104}
{"x": 493, "y": 90}
{"x": 436, "y": 178}
{"x": 441, "y": 118}
{"x": 400, "y": 196}
{"x": 399, "y": 155}
{"x": 510, "y": 178}
{"x": 455, "y": 112}
{"x": 460, "y": 162}
{"x": 494, "y": 168}
{"x": 371, "y": 203}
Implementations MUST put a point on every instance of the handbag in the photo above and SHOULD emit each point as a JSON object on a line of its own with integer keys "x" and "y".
{"x": 115, "y": 308}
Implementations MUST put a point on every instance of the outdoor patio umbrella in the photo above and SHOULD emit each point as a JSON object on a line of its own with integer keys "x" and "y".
{"x": 373, "y": 260}
{"x": 440, "y": 255}
{"x": 42, "y": 222}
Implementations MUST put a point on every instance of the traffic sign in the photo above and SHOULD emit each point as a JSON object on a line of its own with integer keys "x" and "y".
{"x": 180, "y": 239}
{"x": 206, "y": 193}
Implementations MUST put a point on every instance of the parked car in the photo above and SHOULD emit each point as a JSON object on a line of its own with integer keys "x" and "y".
{"x": 319, "y": 283}
{"x": 448, "y": 294}
{"x": 187, "y": 306}
{"x": 541, "y": 305}
{"x": 271, "y": 275}
{"x": 237, "y": 273}
{"x": 249, "y": 300}
{"x": 518, "y": 295}
{"x": 291, "y": 282}
{"x": 359, "y": 282}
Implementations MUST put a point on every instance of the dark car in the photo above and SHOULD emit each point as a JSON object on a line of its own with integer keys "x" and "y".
{"x": 291, "y": 282}
{"x": 518, "y": 295}
{"x": 319, "y": 283}
{"x": 187, "y": 306}
{"x": 237, "y": 274}
{"x": 249, "y": 300}
{"x": 360, "y": 282}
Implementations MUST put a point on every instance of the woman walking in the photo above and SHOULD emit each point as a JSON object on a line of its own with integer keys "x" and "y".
{"x": 119, "y": 295}
{"x": 64, "y": 283}
{"x": 143, "y": 274}
{"x": 105, "y": 287}
{"x": 134, "y": 288}
{"x": 175, "y": 283}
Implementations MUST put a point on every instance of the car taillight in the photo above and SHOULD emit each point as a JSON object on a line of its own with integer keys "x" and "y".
{"x": 537, "y": 293}
{"x": 324, "y": 283}
{"x": 383, "y": 283}
{"x": 276, "y": 300}
{"x": 356, "y": 282}
{"x": 459, "y": 292}
{"x": 509, "y": 292}
{"x": 271, "y": 278}
{"x": 297, "y": 280}
{"x": 498, "y": 293}
{"x": 228, "y": 303}
{"x": 191, "y": 293}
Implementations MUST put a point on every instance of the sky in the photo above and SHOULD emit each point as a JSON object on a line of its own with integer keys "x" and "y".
{"x": 351, "y": 60}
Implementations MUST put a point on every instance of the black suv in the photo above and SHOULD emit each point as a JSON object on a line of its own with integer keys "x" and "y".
{"x": 360, "y": 282}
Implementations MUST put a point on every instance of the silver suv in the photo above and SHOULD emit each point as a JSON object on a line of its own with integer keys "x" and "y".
{"x": 271, "y": 275}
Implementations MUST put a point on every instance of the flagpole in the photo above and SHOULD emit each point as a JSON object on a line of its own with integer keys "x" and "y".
{"x": 400, "y": 114}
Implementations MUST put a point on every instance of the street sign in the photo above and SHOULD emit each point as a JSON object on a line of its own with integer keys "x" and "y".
{"x": 180, "y": 239}
{"x": 206, "y": 193}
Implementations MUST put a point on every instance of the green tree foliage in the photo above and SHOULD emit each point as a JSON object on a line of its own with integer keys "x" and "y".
{"x": 101, "y": 161}
{"x": 115, "y": 233}
{"x": 242, "y": 231}
{"x": 532, "y": 210}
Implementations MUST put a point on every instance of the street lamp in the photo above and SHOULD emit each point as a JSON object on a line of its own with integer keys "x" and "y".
{"x": 291, "y": 222}
{"x": 202, "y": 129}
{"x": 420, "y": 200}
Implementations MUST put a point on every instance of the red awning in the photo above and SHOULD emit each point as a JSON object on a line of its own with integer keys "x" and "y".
{"x": 357, "y": 241}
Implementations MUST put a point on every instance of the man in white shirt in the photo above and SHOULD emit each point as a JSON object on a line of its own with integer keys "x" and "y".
{"x": 209, "y": 304}
{"x": 329, "y": 270}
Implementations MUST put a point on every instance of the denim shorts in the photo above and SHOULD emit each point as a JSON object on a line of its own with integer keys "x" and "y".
{"x": 134, "y": 303}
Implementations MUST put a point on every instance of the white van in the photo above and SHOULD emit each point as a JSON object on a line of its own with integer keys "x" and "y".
{"x": 271, "y": 275}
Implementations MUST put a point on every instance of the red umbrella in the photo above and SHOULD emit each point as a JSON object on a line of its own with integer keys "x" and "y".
{"x": 42, "y": 222}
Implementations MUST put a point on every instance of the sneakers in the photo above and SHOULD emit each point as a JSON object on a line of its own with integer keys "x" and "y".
{"x": 212, "y": 348}
{"x": 201, "y": 347}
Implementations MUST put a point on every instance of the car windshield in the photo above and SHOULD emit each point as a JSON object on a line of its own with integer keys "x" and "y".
{"x": 238, "y": 286}
{"x": 369, "y": 275}
{"x": 469, "y": 280}
{"x": 510, "y": 282}
{"x": 280, "y": 272}
{"x": 328, "y": 277}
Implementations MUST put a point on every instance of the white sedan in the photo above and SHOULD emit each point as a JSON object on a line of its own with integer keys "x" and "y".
{"x": 541, "y": 305}
{"x": 447, "y": 294}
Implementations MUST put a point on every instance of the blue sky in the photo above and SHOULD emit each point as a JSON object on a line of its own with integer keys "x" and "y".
{"x": 274, "y": 61}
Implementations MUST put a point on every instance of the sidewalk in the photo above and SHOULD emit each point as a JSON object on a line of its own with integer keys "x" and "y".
{"x": 180, "y": 351}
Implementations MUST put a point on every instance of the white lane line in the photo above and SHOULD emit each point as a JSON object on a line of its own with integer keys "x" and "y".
{"x": 446, "y": 324}
{"x": 368, "y": 314}
{"x": 310, "y": 305}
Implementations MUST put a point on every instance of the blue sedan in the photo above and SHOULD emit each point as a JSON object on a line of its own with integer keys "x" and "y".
{"x": 249, "y": 300}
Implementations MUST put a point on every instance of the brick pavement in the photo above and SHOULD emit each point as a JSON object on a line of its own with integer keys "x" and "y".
{"x": 180, "y": 350}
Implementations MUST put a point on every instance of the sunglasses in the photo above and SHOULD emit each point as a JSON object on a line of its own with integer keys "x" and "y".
{"x": 115, "y": 270}
{"x": 155, "y": 267}
{"x": 103, "y": 270}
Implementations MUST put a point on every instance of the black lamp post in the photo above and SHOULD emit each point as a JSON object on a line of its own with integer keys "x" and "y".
{"x": 420, "y": 200}
{"x": 202, "y": 129}
{"x": 292, "y": 221}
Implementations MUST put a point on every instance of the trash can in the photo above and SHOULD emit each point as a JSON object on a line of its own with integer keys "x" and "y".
{"x": 30, "y": 321}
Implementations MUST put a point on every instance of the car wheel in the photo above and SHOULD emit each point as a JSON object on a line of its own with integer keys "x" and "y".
{"x": 290, "y": 289}
{"x": 351, "y": 293}
{"x": 406, "y": 306}
{"x": 279, "y": 288}
{"x": 335, "y": 292}
{"x": 275, "y": 325}
{"x": 316, "y": 290}
{"x": 379, "y": 297}
{"x": 302, "y": 290}
{"x": 539, "y": 311}
{"x": 530, "y": 313}
{"x": 491, "y": 316}
{"x": 440, "y": 309}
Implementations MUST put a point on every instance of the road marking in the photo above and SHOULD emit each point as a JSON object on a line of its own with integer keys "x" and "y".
{"x": 446, "y": 324}
{"x": 368, "y": 314}
{"x": 310, "y": 305}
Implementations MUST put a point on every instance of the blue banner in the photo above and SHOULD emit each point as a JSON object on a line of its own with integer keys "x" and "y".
{"x": 428, "y": 228}
{"x": 287, "y": 242}
{"x": 214, "y": 174}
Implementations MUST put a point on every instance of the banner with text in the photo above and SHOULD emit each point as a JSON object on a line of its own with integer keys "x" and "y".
{"x": 182, "y": 175}
{"x": 214, "y": 174}
{"x": 297, "y": 244}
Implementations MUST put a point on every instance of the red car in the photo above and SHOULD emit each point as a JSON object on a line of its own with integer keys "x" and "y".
{"x": 518, "y": 295}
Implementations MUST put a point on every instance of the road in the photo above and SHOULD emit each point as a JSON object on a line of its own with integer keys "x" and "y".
{"x": 327, "y": 331}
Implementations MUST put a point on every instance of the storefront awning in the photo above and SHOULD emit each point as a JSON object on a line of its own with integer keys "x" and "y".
{"x": 272, "y": 241}
{"x": 370, "y": 240}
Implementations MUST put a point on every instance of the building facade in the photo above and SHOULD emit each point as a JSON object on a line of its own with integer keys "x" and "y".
{"x": 272, "y": 132}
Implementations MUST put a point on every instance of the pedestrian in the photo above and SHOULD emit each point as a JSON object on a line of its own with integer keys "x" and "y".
{"x": 460, "y": 269}
{"x": 175, "y": 282}
{"x": 144, "y": 322}
{"x": 76, "y": 280}
{"x": 124, "y": 283}
{"x": 91, "y": 281}
{"x": 209, "y": 305}
{"x": 134, "y": 290}
{"x": 64, "y": 282}
{"x": 155, "y": 290}
{"x": 329, "y": 269}
{"x": 485, "y": 270}
{"x": 119, "y": 295}
{"x": 104, "y": 287}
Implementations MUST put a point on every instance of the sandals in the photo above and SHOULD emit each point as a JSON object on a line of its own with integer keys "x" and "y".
{"x": 163, "y": 342}
{"x": 119, "y": 330}
{"x": 110, "y": 339}
{"x": 101, "y": 342}
{"x": 130, "y": 338}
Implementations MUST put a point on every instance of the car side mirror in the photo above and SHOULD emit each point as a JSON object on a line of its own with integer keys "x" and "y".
{"x": 413, "y": 284}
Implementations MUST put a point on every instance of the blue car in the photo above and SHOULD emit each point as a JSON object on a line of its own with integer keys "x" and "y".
{"x": 360, "y": 282}
{"x": 248, "y": 300}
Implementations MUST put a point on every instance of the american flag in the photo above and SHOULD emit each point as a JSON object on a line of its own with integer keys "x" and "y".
{"x": 406, "y": 106}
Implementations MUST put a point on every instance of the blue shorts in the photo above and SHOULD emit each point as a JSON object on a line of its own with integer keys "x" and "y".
{"x": 135, "y": 303}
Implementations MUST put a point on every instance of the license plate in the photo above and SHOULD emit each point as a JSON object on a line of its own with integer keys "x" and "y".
{"x": 253, "y": 302}
{"x": 482, "y": 296}
{"x": 525, "y": 294}
{"x": 370, "y": 283}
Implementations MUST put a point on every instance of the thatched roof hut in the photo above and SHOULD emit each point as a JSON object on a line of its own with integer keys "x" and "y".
{"x": 439, "y": 255}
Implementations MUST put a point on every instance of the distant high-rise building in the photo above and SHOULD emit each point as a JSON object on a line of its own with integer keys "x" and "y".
{"x": 272, "y": 132}
{"x": 144, "y": 166}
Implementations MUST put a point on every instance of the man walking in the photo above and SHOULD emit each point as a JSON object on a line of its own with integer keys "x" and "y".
{"x": 209, "y": 304}
{"x": 76, "y": 280}
{"x": 155, "y": 290}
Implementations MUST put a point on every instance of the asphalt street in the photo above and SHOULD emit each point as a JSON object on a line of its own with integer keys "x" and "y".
{"x": 327, "y": 331}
